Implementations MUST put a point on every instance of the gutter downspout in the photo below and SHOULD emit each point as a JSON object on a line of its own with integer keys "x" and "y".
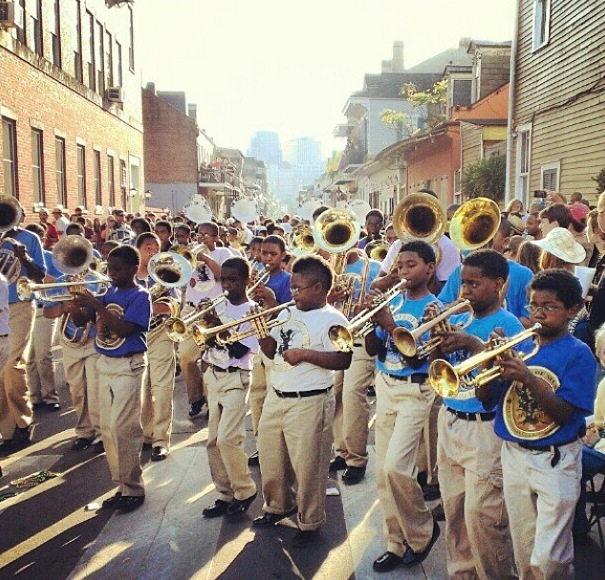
{"x": 509, "y": 188}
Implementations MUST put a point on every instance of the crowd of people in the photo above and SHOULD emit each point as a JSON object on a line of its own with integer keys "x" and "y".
{"x": 305, "y": 334}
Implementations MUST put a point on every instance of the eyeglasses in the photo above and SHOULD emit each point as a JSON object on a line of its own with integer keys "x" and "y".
{"x": 295, "y": 290}
{"x": 206, "y": 235}
{"x": 545, "y": 308}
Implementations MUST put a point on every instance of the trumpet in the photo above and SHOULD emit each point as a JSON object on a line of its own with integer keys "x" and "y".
{"x": 257, "y": 319}
{"x": 409, "y": 342}
{"x": 179, "y": 329}
{"x": 343, "y": 337}
{"x": 260, "y": 277}
{"x": 447, "y": 379}
{"x": 26, "y": 288}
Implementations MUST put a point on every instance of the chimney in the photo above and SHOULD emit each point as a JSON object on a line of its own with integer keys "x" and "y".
{"x": 192, "y": 111}
{"x": 151, "y": 88}
{"x": 397, "y": 65}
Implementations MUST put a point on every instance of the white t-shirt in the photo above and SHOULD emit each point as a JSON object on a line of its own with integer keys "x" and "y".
{"x": 4, "y": 328}
{"x": 450, "y": 258}
{"x": 220, "y": 356}
{"x": 308, "y": 330}
{"x": 61, "y": 225}
{"x": 205, "y": 284}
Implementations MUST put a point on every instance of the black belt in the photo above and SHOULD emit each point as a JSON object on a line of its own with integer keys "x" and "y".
{"x": 301, "y": 394}
{"x": 473, "y": 416}
{"x": 3, "y": 335}
{"x": 418, "y": 378}
{"x": 40, "y": 305}
{"x": 553, "y": 448}
{"x": 227, "y": 370}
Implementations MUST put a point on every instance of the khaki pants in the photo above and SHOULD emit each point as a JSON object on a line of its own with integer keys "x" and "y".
{"x": 541, "y": 501}
{"x": 189, "y": 354}
{"x": 261, "y": 376}
{"x": 120, "y": 385}
{"x": 226, "y": 434}
{"x": 40, "y": 374}
{"x": 80, "y": 367}
{"x": 14, "y": 396}
{"x": 477, "y": 537}
{"x": 158, "y": 390}
{"x": 352, "y": 408}
{"x": 427, "y": 452}
{"x": 402, "y": 408}
{"x": 294, "y": 444}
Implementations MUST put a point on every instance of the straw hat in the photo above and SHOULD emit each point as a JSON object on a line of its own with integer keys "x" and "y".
{"x": 560, "y": 243}
{"x": 516, "y": 223}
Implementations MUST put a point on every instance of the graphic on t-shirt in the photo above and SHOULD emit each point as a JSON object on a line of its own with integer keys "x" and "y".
{"x": 393, "y": 360}
{"x": 106, "y": 338}
{"x": 523, "y": 417}
{"x": 204, "y": 278}
{"x": 294, "y": 334}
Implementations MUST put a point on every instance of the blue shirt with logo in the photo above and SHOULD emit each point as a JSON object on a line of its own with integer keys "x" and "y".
{"x": 33, "y": 245}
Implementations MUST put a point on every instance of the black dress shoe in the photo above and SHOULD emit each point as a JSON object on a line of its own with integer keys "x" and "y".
{"x": 438, "y": 513}
{"x": 38, "y": 405}
{"x": 159, "y": 453}
{"x": 215, "y": 511}
{"x": 240, "y": 506}
{"x": 253, "y": 460}
{"x": 81, "y": 444}
{"x": 128, "y": 503}
{"x": 266, "y": 520}
{"x": 353, "y": 475}
{"x": 110, "y": 503}
{"x": 196, "y": 408}
{"x": 431, "y": 492}
{"x": 387, "y": 562}
{"x": 304, "y": 539}
{"x": 53, "y": 407}
{"x": 411, "y": 558}
{"x": 338, "y": 463}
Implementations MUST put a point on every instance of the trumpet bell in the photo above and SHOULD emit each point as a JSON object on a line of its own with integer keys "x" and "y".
{"x": 176, "y": 329}
{"x": 475, "y": 223}
{"x": 72, "y": 255}
{"x": 336, "y": 230}
{"x": 404, "y": 342}
{"x": 419, "y": 216}
{"x": 10, "y": 213}
{"x": 444, "y": 378}
{"x": 341, "y": 338}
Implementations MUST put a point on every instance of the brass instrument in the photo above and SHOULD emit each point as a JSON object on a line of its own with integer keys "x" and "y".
{"x": 409, "y": 343}
{"x": 187, "y": 253}
{"x": 419, "y": 216}
{"x": 343, "y": 337}
{"x": 10, "y": 217}
{"x": 106, "y": 338}
{"x": 349, "y": 282}
{"x": 257, "y": 319}
{"x": 260, "y": 277}
{"x": 447, "y": 379}
{"x": 197, "y": 210}
{"x": 336, "y": 231}
{"x": 179, "y": 329}
{"x": 81, "y": 334}
{"x": 303, "y": 242}
{"x": 474, "y": 223}
{"x": 245, "y": 210}
{"x": 377, "y": 250}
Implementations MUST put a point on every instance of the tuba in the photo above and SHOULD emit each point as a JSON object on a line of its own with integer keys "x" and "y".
{"x": 377, "y": 250}
{"x": 474, "y": 223}
{"x": 197, "y": 210}
{"x": 447, "y": 379}
{"x": 245, "y": 210}
{"x": 303, "y": 242}
{"x": 419, "y": 216}
{"x": 10, "y": 217}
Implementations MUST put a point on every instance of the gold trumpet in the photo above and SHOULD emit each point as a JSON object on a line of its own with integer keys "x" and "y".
{"x": 343, "y": 337}
{"x": 260, "y": 277}
{"x": 409, "y": 342}
{"x": 179, "y": 329}
{"x": 446, "y": 379}
{"x": 257, "y": 319}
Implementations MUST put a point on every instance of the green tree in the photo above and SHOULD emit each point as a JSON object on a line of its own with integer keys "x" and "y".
{"x": 600, "y": 181}
{"x": 487, "y": 178}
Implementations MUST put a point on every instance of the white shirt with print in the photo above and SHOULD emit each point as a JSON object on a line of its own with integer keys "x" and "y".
{"x": 205, "y": 284}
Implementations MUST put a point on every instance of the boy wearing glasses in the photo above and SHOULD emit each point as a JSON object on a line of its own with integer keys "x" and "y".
{"x": 540, "y": 417}
{"x": 295, "y": 430}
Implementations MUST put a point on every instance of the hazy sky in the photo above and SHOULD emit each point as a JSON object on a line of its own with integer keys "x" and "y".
{"x": 289, "y": 65}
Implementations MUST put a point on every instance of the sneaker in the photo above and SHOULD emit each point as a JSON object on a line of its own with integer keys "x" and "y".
{"x": 196, "y": 408}
{"x": 81, "y": 444}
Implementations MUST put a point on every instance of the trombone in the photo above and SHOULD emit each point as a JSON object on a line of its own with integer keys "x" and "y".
{"x": 343, "y": 337}
{"x": 409, "y": 342}
{"x": 179, "y": 329}
{"x": 447, "y": 379}
{"x": 257, "y": 319}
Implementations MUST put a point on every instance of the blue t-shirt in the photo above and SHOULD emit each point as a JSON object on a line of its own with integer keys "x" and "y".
{"x": 51, "y": 270}
{"x": 134, "y": 305}
{"x": 575, "y": 367}
{"x": 406, "y": 313}
{"x": 481, "y": 328}
{"x": 280, "y": 284}
{"x": 516, "y": 293}
{"x": 357, "y": 268}
{"x": 33, "y": 245}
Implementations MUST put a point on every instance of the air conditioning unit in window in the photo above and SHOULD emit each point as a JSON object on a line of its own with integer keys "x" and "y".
{"x": 115, "y": 94}
{"x": 11, "y": 14}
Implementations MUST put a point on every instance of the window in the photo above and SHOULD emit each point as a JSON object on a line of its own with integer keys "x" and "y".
{"x": 123, "y": 183}
{"x": 477, "y": 78}
{"x": 101, "y": 59}
{"x": 457, "y": 186}
{"x": 522, "y": 164}
{"x": 92, "y": 65}
{"x": 541, "y": 23}
{"x": 60, "y": 171}
{"x": 550, "y": 176}
{"x": 109, "y": 58}
{"x": 131, "y": 41}
{"x": 120, "y": 64}
{"x": 9, "y": 157}
{"x": 22, "y": 30}
{"x": 81, "y": 154}
{"x": 111, "y": 184}
{"x": 55, "y": 36}
{"x": 37, "y": 43}
{"x": 78, "y": 62}
{"x": 96, "y": 178}
{"x": 38, "y": 166}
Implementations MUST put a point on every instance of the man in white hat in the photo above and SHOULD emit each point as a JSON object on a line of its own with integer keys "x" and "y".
{"x": 61, "y": 222}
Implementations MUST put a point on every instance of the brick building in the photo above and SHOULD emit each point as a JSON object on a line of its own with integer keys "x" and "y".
{"x": 70, "y": 105}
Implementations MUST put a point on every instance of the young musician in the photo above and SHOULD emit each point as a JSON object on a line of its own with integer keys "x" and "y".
{"x": 227, "y": 378}
{"x": 540, "y": 418}
{"x": 374, "y": 224}
{"x": 295, "y": 430}
{"x": 468, "y": 455}
{"x": 122, "y": 317}
{"x": 403, "y": 403}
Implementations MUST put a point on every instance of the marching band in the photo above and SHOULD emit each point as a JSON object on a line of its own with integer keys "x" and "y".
{"x": 483, "y": 375}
